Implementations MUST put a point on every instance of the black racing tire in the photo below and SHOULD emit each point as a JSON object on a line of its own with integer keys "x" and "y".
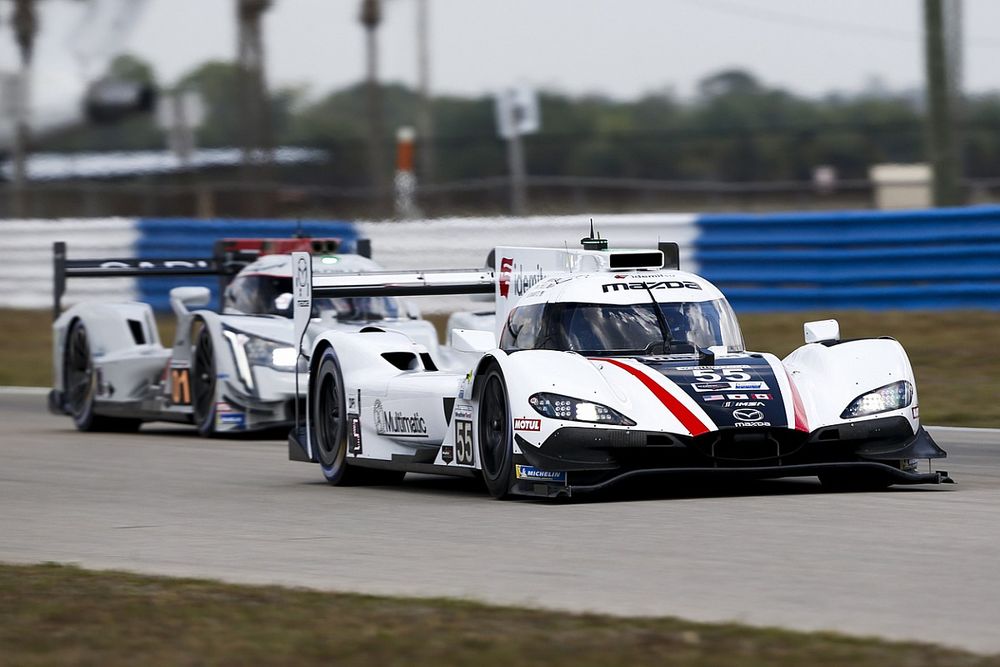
{"x": 496, "y": 435}
{"x": 329, "y": 421}
{"x": 861, "y": 480}
{"x": 80, "y": 382}
{"x": 203, "y": 381}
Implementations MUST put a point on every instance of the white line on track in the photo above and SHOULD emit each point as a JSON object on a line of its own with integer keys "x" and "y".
{"x": 24, "y": 391}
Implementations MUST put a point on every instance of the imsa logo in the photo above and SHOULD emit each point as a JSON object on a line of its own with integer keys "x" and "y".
{"x": 397, "y": 423}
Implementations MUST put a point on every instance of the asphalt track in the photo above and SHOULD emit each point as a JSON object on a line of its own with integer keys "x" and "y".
{"x": 914, "y": 563}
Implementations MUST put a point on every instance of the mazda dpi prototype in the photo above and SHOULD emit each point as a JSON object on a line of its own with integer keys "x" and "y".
{"x": 605, "y": 365}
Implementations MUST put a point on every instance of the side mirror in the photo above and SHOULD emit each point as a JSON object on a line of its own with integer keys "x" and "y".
{"x": 184, "y": 298}
{"x": 822, "y": 331}
{"x": 470, "y": 340}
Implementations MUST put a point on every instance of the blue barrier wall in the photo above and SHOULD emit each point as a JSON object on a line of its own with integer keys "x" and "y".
{"x": 934, "y": 259}
{"x": 177, "y": 237}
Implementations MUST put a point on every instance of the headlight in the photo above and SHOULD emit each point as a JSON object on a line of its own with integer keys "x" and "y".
{"x": 263, "y": 352}
{"x": 890, "y": 397}
{"x": 254, "y": 351}
{"x": 557, "y": 406}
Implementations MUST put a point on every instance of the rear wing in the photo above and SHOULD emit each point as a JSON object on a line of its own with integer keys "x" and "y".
{"x": 517, "y": 270}
{"x": 229, "y": 256}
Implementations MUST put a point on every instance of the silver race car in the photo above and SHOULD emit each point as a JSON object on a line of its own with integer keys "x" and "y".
{"x": 226, "y": 372}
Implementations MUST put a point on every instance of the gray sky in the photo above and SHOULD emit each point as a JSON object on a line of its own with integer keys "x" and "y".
{"x": 618, "y": 47}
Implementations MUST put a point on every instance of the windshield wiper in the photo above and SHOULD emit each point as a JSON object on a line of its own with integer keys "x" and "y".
{"x": 664, "y": 329}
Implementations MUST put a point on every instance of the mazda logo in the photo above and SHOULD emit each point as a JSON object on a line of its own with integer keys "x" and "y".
{"x": 747, "y": 415}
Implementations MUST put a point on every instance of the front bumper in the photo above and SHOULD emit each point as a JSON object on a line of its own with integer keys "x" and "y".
{"x": 594, "y": 458}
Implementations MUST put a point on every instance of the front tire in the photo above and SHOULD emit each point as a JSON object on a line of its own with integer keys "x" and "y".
{"x": 203, "y": 382}
{"x": 496, "y": 439}
{"x": 80, "y": 381}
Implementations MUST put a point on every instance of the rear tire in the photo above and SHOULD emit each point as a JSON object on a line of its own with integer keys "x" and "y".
{"x": 496, "y": 438}
{"x": 203, "y": 382}
{"x": 329, "y": 421}
{"x": 80, "y": 382}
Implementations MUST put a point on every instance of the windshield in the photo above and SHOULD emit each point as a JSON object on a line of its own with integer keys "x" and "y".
{"x": 272, "y": 295}
{"x": 591, "y": 328}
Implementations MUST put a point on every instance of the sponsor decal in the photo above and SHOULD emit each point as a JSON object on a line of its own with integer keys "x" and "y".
{"x": 752, "y": 424}
{"x": 713, "y": 397}
{"x": 447, "y": 454}
{"x": 658, "y": 284}
{"x": 744, "y": 404}
{"x": 506, "y": 264}
{"x": 748, "y": 415}
{"x": 512, "y": 275}
{"x": 749, "y": 385}
{"x": 388, "y": 422}
{"x": 916, "y": 411}
{"x": 162, "y": 264}
{"x": 227, "y": 415}
{"x": 530, "y": 472}
{"x": 354, "y": 435}
{"x": 731, "y": 386}
{"x": 463, "y": 411}
{"x": 525, "y": 424}
{"x": 352, "y": 403}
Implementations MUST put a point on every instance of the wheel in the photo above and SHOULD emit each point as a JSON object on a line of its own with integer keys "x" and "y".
{"x": 329, "y": 421}
{"x": 863, "y": 480}
{"x": 203, "y": 379}
{"x": 80, "y": 382}
{"x": 496, "y": 443}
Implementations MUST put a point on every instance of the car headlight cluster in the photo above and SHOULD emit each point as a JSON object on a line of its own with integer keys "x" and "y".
{"x": 890, "y": 397}
{"x": 557, "y": 406}
{"x": 255, "y": 351}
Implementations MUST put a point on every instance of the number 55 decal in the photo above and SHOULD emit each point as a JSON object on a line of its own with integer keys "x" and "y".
{"x": 731, "y": 374}
{"x": 463, "y": 442}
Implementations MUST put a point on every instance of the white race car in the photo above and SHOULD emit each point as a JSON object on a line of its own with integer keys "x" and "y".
{"x": 226, "y": 372}
{"x": 610, "y": 365}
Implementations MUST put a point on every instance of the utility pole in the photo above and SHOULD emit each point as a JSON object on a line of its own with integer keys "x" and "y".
{"x": 425, "y": 119}
{"x": 371, "y": 16}
{"x": 255, "y": 118}
{"x": 25, "y": 22}
{"x": 942, "y": 145}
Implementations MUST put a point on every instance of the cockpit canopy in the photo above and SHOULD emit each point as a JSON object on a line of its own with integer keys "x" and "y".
{"x": 623, "y": 328}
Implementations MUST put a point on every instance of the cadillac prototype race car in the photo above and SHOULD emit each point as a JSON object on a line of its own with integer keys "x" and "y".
{"x": 227, "y": 372}
{"x": 606, "y": 365}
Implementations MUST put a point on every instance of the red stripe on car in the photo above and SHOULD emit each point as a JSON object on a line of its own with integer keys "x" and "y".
{"x": 800, "y": 411}
{"x": 690, "y": 421}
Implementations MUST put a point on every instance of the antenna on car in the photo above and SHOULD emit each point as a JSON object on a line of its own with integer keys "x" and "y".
{"x": 594, "y": 242}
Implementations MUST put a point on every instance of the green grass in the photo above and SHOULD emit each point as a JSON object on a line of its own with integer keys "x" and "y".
{"x": 954, "y": 353}
{"x": 56, "y": 614}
